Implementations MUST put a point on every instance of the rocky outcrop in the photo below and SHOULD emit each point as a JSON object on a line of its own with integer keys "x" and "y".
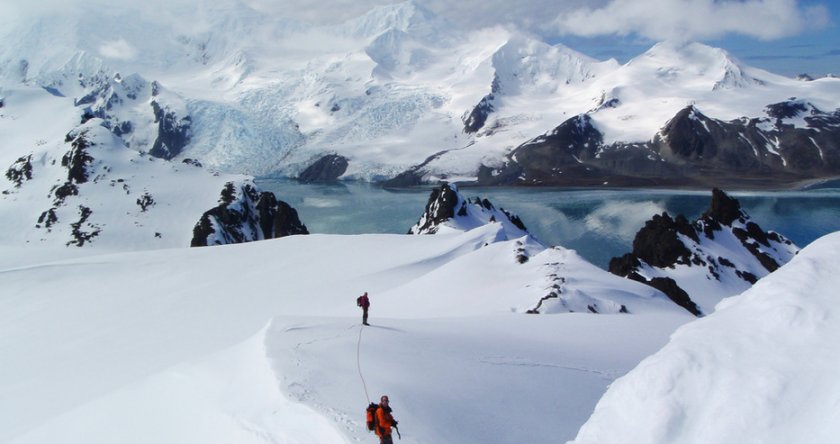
{"x": 475, "y": 119}
{"x": 447, "y": 208}
{"x": 173, "y": 132}
{"x": 245, "y": 214}
{"x": 326, "y": 169}
{"x": 20, "y": 171}
{"x": 723, "y": 245}
{"x": 691, "y": 149}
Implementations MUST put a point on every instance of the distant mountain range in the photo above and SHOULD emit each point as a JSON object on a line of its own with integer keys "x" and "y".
{"x": 401, "y": 96}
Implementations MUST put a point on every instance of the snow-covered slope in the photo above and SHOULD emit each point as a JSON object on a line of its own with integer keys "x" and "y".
{"x": 395, "y": 90}
{"x": 756, "y": 370}
{"x": 237, "y": 342}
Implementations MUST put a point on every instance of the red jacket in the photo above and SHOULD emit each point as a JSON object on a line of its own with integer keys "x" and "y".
{"x": 384, "y": 421}
{"x": 363, "y": 301}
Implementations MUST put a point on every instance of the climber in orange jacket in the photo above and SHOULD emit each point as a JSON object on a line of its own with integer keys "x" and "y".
{"x": 384, "y": 421}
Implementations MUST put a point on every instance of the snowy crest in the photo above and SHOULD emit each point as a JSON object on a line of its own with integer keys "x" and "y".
{"x": 761, "y": 353}
{"x": 409, "y": 17}
{"x": 523, "y": 62}
{"x": 675, "y": 62}
{"x": 448, "y": 210}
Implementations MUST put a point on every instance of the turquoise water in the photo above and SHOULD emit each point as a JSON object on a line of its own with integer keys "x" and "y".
{"x": 599, "y": 224}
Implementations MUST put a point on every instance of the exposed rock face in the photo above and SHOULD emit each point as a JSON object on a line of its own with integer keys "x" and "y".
{"x": 20, "y": 171}
{"x": 448, "y": 209}
{"x": 173, "y": 132}
{"x": 691, "y": 149}
{"x": 574, "y": 154}
{"x": 439, "y": 209}
{"x": 478, "y": 116}
{"x": 476, "y": 119}
{"x": 723, "y": 247}
{"x": 77, "y": 159}
{"x": 244, "y": 214}
{"x": 326, "y": 169}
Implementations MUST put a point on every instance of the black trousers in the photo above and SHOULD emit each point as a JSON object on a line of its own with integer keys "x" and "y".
{"x": 386, "y": 440}
{"x": 364, "y": 315}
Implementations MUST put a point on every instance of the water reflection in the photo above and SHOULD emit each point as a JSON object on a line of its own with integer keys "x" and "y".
{"x": 599, "y": 224}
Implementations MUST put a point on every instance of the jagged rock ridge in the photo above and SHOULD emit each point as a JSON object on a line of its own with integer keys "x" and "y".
{"x": 446, "y": 208}
{"x": 722, "y": 251}
{"x": 244, "y": 214}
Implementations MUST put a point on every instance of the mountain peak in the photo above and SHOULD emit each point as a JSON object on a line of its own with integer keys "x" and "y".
{"x": 408, "y": 16}
{"x": 677, "y": 59}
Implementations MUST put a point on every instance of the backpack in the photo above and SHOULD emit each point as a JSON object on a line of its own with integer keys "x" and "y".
{"x": 371, "y": 416}
{"x": 359, "y": 301}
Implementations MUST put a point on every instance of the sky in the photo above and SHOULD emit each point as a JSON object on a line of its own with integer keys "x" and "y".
{"x": 787, "y": 37}
{"x": 783, "y": 36}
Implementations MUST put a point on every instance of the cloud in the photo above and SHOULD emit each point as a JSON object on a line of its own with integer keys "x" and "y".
{"x": 651, "y": 19}
{"x": 467, "y": 14}
{"x": 693, "y": 19}
{"x": 118, "y": 49}
{"x": 621, "y": 220}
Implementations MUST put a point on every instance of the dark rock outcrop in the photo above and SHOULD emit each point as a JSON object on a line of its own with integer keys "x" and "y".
{"x": 658, "y": 243}
{"x": 672, "y": 290}
{"x": 665, "y": 243}
{"x": 439, "y": 209}
{"x": 20, "y": 171}
{"x": 173, "y": 132}
{"x": 77, "y": 159}
{"x": 476, "y": 119}
{"x": 245, "y": 214}
{"x": 326, "y": 169}
{"x": 447, "y": 206}
{"x": 82, "y": 231}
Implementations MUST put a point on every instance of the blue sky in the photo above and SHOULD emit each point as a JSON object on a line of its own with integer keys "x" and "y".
{"x": 815, "y": 49}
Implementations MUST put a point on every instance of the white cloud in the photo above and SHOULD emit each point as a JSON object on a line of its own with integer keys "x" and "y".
{"x": 117, "y": 49}
{"x": 652, "y": 19}
{"x": 621, "y": 220}
{"x": 693, "y": 19}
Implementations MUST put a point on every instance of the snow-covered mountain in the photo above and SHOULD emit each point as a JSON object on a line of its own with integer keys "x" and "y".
{"x": 722, "y": 253}
{"x": 397, "y": 93}
{"x": 90, "y": 188}
{"x": 126, "y": 132}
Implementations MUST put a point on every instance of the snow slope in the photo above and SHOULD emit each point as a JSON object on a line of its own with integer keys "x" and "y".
{"x": 238, "y": 342}
{"x": 758, "y": 369}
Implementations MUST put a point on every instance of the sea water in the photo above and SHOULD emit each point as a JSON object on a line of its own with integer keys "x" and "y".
{"x": 598, "y": 223}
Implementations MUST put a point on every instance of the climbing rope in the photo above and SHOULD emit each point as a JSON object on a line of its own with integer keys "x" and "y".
{"x": 358, "y": 364}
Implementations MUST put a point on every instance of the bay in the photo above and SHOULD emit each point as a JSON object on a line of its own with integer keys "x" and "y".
{"x": 598, "y": 223}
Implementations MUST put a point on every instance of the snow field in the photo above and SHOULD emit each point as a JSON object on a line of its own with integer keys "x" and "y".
{"x": 166, "y": 344}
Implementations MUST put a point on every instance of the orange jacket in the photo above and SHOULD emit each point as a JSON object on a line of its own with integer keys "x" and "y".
{"x": 384, "y": 421}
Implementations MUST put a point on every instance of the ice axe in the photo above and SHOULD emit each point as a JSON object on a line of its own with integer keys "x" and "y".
{"x": 398, "y": 431}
